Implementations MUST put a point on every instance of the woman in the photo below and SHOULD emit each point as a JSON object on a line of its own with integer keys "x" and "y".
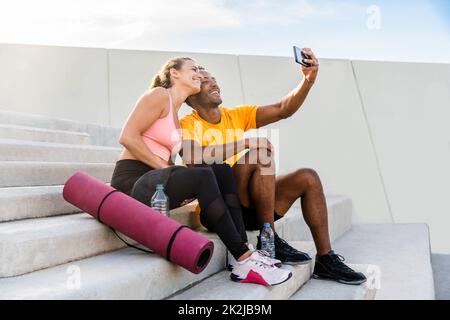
{"x": 151, "y": 138}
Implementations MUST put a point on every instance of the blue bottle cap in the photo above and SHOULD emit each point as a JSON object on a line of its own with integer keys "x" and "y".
{"x": 266, "y": 225}
{"x": 159, "y": 186}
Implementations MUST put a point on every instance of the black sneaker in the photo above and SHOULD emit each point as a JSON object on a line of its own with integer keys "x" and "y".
{"x": 331, "y": 266}
{"x": 287, "y": 254}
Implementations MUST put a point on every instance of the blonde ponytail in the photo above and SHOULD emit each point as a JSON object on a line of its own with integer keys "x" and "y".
{"x": 156, "y": 82}
{"x": 162, "y": 79}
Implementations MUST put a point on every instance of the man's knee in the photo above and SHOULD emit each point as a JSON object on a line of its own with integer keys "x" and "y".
{"x": 260, "y": 159}
{"x": 243, "y": 169}
{"x": 310, "y": 176}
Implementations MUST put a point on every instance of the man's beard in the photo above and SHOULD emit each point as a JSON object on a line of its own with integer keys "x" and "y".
{"x": 213, "y": 103}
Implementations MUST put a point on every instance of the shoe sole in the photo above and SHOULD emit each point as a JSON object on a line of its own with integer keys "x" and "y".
{"x": 237, "y": 279}
{"x": 321, "y": 277}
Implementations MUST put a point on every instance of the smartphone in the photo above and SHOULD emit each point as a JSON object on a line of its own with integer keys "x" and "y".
{"x": 300, "y": 55}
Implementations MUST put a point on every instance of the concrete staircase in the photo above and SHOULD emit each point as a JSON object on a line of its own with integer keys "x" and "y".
{"x": 49, "y": 249}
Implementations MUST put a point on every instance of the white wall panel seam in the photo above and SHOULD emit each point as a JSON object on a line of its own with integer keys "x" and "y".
{"x": 369, "y": 131}
{"x": 240, "y": 79}
{"x": 108, "y": 86}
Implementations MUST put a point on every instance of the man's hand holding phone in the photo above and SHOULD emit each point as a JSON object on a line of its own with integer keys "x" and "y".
{"x": 308, "y": 61}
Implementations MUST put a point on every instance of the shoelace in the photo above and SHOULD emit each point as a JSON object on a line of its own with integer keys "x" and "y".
{"x": 287, "y": 246}
{"x": 339, "y": 261}
{"x": 260, "y": 264}
{"x": 262, "y": 259}
{"x": 263, "y": 253}
{"x": 266, "y": 256}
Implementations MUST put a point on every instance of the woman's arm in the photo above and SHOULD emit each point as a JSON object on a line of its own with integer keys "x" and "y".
{"x": 192, "y": 153}
{"x": 148, "y": 109}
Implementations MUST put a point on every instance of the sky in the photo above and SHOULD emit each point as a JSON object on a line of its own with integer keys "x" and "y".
{"x": 395, "y": 30}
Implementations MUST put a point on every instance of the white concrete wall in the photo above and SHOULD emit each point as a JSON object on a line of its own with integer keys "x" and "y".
{"x": 328, "y": 133}
{"x": 131, "y": 73}
{"x": 70, "y": 83}
{"x": 408, "y": 112}
{"x": 375, "y": 131}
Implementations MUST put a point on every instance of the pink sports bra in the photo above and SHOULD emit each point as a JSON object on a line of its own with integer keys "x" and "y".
{"x": 163, "y": 138}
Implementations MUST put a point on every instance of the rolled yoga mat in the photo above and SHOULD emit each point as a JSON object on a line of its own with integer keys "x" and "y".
{"x": 167, "y": 237}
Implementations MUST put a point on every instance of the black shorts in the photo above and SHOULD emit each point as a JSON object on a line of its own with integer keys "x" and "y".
{"x": 250, "y": 220}
{"x": 126, "y": 173}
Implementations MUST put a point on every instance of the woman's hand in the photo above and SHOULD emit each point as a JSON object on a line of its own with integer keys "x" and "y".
{"x": 310, "y": 73}
{"x": 258, "y": 143}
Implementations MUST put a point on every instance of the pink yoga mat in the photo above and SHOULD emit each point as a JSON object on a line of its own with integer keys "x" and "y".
{"x": 141, "y": 223}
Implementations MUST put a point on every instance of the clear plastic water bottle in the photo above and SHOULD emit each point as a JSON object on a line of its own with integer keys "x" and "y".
{"x": 160, "y": 201}
{"x": 268, "y": 240}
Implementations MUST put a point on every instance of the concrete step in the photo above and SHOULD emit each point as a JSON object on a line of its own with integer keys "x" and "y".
{"x": 331, "y": 290}
{"x": 66, "y": 238}
{"x": 220, "y": 287}
{"x": 20, "y": 150}
{"x": 122, "y": 274}
{"x": 100, "y": 134}
{"x": 19, "y": 203}
{"x": 293, "y": 227}
{"x": 36, "y": 173}
{"x": 186, "y": 215}
{"x": 44, "y": 135}
{"x": 34, "y": 244}
{"x": 402, "y": 251}
{"x": 441, "y": 274}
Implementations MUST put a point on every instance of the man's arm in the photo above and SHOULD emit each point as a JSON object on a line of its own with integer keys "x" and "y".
{"x": 290, "y": 103}
{"x": 193, "y": 153}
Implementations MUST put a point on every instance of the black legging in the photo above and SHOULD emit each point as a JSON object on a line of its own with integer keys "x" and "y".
{"x": 218, "y": 215}
{"x": 227, "y": 185}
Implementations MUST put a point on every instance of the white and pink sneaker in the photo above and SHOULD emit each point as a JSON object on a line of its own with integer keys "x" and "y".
{"x": 255, "y": 270}
{"x": 271, "y": 261}
{"x": 231, "y": 261}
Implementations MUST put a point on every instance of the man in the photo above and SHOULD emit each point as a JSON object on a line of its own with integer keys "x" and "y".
{"x": 214, "y": 134}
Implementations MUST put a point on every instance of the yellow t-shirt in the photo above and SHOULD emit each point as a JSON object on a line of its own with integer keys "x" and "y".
{"x": 234, "y": 122}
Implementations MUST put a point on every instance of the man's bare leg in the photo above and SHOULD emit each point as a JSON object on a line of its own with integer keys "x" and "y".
{"x": 305, "y": 183}
{"x": 255, "y": 180}
{"x": 258, "y": 188}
